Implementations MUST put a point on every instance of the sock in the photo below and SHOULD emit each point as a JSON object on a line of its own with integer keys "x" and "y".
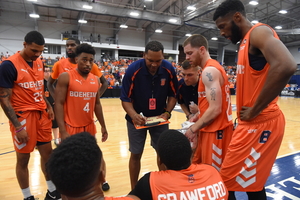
{"x": 26, "y": 192}
{"x": 51, "y": 186}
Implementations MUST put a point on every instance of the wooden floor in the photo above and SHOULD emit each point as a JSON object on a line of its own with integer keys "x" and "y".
{"x": 116, "y": 152}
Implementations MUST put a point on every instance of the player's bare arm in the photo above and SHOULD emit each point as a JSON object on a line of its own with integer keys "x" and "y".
{"x": 50, "y": 86}
{"x": 49, "y": 108}
{"x": 104, "y": 85}
{"x": 282, "y": 67}
{"x": 61, "y": 93}
{"x": 212, "y": 79}
{"x": 99, "y": 114}
{"x": 5, "y": 96}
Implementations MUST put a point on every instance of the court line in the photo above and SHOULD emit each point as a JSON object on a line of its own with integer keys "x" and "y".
{"x": 6, "y": 152}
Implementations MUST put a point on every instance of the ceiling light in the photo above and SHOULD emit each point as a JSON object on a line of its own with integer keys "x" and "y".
{"x": 278, "y": 27}
{"x": 82, "y": 21}
{"x": 254, "y": 3}
{"x": 173, "y": 20}
{"x": 149, "y": 0}
{"x": 214, "y": 38}
{"x": 32, "y": 0}
{"x": 158, "y": 31}
{"x": 123, "y": 26}
{"x": 282, "y": 11}
{"x": 46, "y": 51}
{"x": 87, "y": 7}
{"x": 135, "y": 14}
{"x": 254, "y": 21}
{"x": 191, "y": 8}
{"x": 188, "y": 34}
{"x": 34, "y": 15}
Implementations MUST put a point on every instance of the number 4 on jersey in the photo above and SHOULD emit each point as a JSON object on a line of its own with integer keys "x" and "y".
{"x": 87, "y": 107}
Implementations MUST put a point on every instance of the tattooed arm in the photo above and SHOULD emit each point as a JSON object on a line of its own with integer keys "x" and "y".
{"x": 212, "y": 79}
{"x": 5, "y": 96}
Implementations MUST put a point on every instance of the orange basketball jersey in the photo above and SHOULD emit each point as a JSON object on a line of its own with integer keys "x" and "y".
{"x": 28, "y": 90}
{"x": 249, "y": 81}
{"x": 225, "y": 118}
{"x": 196, "y": 182}
{"x": 80, "y": 100}
{"x": 65, "y": 65}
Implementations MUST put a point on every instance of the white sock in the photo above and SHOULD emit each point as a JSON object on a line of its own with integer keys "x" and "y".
{"x": 51, "y": 186}
{"x": 26, "y": 192}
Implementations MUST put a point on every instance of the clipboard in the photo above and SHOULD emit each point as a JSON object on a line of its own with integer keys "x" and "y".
{"x": 152, "y": 121}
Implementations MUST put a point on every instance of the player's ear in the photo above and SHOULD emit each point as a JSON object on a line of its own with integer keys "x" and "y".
{"x": 162, "y": 166}
{"x": 76, "y": 59}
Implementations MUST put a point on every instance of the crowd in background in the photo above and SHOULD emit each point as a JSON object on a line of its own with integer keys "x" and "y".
{"x": 114, "y": 70}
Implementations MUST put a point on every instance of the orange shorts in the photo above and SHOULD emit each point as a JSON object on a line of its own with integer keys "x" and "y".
{"x": 38, "y": 127}
{"x": 212, "y": 147}
{"x": 252, "y": 153}
{"x": 91, "y": 128}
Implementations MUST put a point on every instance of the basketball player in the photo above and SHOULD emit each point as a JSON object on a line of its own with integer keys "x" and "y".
{"x": 80, "y": 180}
{"x": 264, "y": 67}
{"x": 78, "y": 98}
{"x": 22, "y": 100}
{"x": 214, "y": 123}
{"x": 68, "y": 64}
{"x": 180, "y": 179}
{"x": 187, "y": 95}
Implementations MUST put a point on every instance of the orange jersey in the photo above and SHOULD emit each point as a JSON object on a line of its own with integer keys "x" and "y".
{"x": 249, "y": 81}
{"x": 65, "y": 65}
{"x": 118, "y": 198}
{"x": 28, "y": 90}
{"x": 196, "y": 182}
{"x": 225, "y": 118}
{"x": 80, "y": 100}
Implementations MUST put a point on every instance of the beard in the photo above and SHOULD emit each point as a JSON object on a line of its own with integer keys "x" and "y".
{"x": 236, "y": 33}
{"x": 71, "y": 55}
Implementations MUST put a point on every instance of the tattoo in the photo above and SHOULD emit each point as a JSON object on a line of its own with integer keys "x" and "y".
{"x": 213, "y": 94}
{"x": 5, "y": 95}
{"x": 209, "y": 76}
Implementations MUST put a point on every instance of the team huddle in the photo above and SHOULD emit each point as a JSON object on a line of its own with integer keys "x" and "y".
{"x": 223, "y": 158}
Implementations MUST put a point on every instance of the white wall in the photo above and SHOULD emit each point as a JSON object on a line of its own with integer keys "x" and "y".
{"x": 294, "y": 51}
{"x": 15, "y": 25}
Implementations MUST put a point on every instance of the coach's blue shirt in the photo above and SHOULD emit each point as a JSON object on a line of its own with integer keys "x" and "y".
{"x": 186, "y": 94}
{"x": 138, "y": 86}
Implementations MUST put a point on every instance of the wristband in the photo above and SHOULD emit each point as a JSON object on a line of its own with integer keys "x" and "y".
{"x": 169, "y": 113}
{"x": 187, "y": 117}
{"x": 19, "y": 130}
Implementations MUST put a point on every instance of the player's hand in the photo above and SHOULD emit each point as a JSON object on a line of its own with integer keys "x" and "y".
{"x": 22, "y": 136}
{"x": 194, "y": 118}
{"x": 193, "y": 108}
{"x": 104, "y": 134}
{"x": 50, "y": 113}
{"x": 64, "y": 135}
{"x": 138, "y": 119}
{"x": 247, "y": 114}
{"x": 191, "y": 136}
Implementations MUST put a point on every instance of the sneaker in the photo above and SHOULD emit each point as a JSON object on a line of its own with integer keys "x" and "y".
{"x": 55, "y": 195}
{"x": 105, "y": 186}
{"x": 29, "y": 198}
